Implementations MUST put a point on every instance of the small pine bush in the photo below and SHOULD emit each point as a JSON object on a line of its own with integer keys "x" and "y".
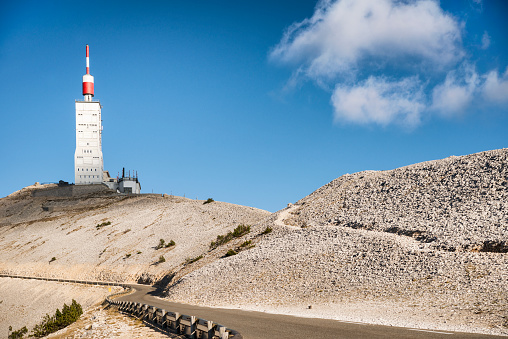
{"x": 17, "y": 334}
{"x": 267, "y": 230}
{"x": 162, "y": 259}
{"x": 106, "y": 223}
{"x": 190, "y": 261}
{"x": 163, "y": 244}
{"x": 230, "y": 253}
{"x": 61, "y": 319}
{"x": 209, "y": 200}
{"x": 241, "y": 230}
{"x": 238, "y": 232}
{"x": 246, "y": 243}
{"x": 52, "y": 259}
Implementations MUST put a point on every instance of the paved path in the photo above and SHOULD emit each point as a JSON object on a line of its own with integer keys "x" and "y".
{"x": 259, "y": 325}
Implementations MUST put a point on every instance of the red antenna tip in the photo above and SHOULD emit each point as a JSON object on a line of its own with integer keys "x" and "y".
{"x": 87, "y": 61}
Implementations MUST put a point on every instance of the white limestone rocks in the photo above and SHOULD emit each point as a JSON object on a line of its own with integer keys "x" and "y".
{"x": 407, "y": 247}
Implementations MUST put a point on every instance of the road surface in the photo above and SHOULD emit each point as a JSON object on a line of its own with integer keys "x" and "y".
{"x": 259, "y": 325}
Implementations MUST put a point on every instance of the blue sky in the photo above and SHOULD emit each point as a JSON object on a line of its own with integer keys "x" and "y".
{"x": 256, "y": 103}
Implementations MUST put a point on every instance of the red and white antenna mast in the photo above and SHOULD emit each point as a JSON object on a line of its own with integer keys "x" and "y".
{"x": 87, "y": 79}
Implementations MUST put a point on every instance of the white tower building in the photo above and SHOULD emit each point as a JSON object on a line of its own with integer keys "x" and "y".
{"x": 88, "y": 162}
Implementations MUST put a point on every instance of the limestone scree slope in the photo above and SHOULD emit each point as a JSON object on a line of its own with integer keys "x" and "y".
{"x": 421, "y": 246}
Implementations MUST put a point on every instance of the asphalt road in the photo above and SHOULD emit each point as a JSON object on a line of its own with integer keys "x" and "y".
{"x": 259, "y": 325}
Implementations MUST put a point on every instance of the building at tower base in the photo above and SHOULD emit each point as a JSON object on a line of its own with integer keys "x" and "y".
{"x": 124, "y": 184}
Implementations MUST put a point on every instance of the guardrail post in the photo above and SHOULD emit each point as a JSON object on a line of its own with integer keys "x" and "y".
{"x": 173, "y": 321}
{"x": 144, "y": 311}
{"x": 205, "y": 328}
{"x": 189, "y": 324}
{"x": 137, "y": 309}
{"x": 221, "y": 332}
{"x": 160, "y": 316}
{"x": 151, "y": 313}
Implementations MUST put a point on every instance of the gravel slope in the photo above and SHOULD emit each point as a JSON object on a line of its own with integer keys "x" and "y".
{"x": 421, "y": 246}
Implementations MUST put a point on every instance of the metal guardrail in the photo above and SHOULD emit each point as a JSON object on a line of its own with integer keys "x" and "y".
{"x": 86, "y": 282}
{"x": 174, "y": 322}
{"x": 167, "y": 321}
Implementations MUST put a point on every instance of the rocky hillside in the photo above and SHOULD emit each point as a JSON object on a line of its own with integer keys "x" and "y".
{"x": 458, "y": 203}
{"x": 420, "y": 246}
{"x": 107, "y": 236}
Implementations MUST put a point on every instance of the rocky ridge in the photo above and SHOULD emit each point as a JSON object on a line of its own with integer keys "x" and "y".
{"x": 458, "y": 203}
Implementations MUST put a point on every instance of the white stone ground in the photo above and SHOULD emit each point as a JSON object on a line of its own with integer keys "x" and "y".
{"x": 354, "y": 275}
{"x": 124, "y": 250}
{"x": 421, "y": 246}
{"x": 104, "y": 323}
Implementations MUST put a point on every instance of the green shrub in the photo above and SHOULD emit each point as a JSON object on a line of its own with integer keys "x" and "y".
{"x": 106, "y": 223}
{"x": 17, "y": 334}
{"x": 238, "y": 232}
{"x": 162, "y": 259}
{"x": 52, "y": 259}
{"x": 67, "y": 316}
{"x": 241, "y": 230}
{"x": 209, "y": 200}
{"x": 127, "y": 255}
{"x": 139, "y": 252}
{"x": 267, "y": 230}
{"x": 246, "y": 243}
{"x": 230, "y": 253}
{"x": 190, "y": 261}
{"x": 163, "y": 244}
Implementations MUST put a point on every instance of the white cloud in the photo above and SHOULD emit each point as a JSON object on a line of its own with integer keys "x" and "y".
{"x": 379, "y": 101}
{"x": 457, "y": 92}
{"x": 346, "y": 40}
{"x": 485, "y": 40}
{"x": 341, "y": 34}
{"x": 495, "y": 89}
